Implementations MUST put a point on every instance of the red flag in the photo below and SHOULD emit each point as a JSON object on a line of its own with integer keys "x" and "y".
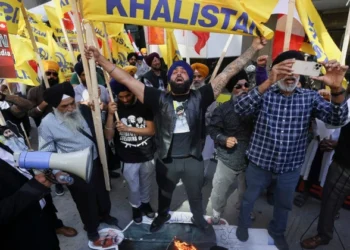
{"x": 7, "y": 64}
{"x": 296, "y": 39}
{"x": 203, "y": 38}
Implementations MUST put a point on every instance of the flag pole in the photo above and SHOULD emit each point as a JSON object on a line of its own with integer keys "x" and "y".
{"x": 345, "y": 46}
{"x": 289, "y": 25}
{"x": 94, "y": 90}
{"x": 223, "y": 54}
{"x": 104, "y": 72}
{"x": 69, "y": 45}
{"x": 35, "y": 47}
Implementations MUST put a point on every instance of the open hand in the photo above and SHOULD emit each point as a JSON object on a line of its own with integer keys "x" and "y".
{"x": 334, "y": 74}
{"x": 281, "y": 70}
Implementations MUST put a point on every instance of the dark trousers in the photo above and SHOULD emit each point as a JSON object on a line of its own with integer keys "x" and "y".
{"x": 335, "y": 191}
{"x": 168, "y": 174}
{"x": 53, "y": 212}
{"x": 92, "y": 200}
{"x": 257, "y": 180}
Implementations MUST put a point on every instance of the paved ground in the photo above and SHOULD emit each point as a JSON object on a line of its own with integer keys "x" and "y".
{"x": 299, "y": 221}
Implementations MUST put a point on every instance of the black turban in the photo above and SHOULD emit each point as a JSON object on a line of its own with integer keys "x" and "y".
{"x": 132, "y": 54}
{"x": 79, "y": 68}
{"x": 234, "y": 80}
{"x": 150, "y": 57}
{"x": 53, "y": 96}
{"x": 290, "y": 54}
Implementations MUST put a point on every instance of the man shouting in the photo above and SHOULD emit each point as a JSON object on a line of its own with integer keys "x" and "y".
{"x": 179, "y": 123}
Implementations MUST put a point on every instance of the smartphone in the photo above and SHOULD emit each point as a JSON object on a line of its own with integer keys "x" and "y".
{"x": 307, "y": 68}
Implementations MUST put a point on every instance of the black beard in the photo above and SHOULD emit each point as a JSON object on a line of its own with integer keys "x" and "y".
{"x": 180, "y": 89}
{"x": 52, "y": 82}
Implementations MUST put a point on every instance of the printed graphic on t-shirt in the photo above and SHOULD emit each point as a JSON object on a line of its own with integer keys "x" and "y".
{"x": 181, "y": 125}
{"x": 130, "y": 139}
{"x": 161, "y": 84}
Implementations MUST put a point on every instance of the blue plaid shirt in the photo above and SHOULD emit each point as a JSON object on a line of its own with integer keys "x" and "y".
{"x": 279, "y": 140}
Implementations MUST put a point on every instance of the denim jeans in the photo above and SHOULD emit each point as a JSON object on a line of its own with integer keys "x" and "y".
{"x": 258, "y": 180}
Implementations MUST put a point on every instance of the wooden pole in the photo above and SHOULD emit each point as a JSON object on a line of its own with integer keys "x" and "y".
{"x": 35, "y": 47}
{"x": 223, "y": 54}
{"x": 104, "y": 72}
{"x": 289, "y": 25}
{"x": 69, "y": 45}
{"x": 344, "y": 50}
{"x": 96, "y": 113}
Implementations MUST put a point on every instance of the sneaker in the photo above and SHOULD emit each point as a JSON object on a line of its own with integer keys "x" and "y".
{"x": 280, "y": 241}
{"x": 147, "y": 210}
{"x": 158, "y": 222}
{"x": 110, "y": 220}
{"x": 59, "y": 190}
{"x": 242, "y": 234}
{"x": 137, "y": 215}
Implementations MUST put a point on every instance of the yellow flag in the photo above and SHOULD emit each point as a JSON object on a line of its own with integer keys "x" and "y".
{"x": 173, "y": 53}
{"x": 23, "y": 52}
{"x": 259, "y": 11}
{"x": 62, "y": 57}
{"x": 12, "y": 9}
{"x": 121, "y": 47}
{"x": 62, "y": 7}
{"x": 55, "y": 23}
{"x": 40, "y": 29}
{"x": 201, "y": 15}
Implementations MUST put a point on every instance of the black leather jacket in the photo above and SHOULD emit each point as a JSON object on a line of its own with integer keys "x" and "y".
{"x": 165, "y": 120}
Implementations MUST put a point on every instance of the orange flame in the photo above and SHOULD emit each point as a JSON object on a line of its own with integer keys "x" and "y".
{"x": 183, "y": 245}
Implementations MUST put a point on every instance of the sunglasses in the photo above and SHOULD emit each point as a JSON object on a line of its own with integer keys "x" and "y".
{"x": 239, "y": 86}
{"x": 48, "y": 73}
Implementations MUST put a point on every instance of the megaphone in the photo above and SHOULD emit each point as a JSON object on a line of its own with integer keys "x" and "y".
{"x": 78, "y": 163}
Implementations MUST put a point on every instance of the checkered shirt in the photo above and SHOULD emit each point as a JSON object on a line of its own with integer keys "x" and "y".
{"x": 279, "y": 140}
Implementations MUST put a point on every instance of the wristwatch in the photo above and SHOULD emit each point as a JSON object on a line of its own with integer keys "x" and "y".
{"x": 338, "y": 93}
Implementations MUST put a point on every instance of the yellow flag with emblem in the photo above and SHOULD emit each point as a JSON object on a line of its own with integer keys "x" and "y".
{"x": 321, "y": 42}
{"x": 62, "y": 57}
{"x": 39, "y": 28}
{"x": 55, "y": 23}
{"x": 12, "y": 10}
{"x": 121, "y": 47}
{"x": 170, "y": 50}
{"x": 62, "y": 7}
{"x": 23, "y": 52}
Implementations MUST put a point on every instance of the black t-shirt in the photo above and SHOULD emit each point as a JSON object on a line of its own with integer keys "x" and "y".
{"x": 134, "y": 148}
{"x": 180, "y": 146}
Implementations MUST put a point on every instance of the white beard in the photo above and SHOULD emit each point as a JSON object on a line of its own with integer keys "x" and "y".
{"x": 287, "y": 88}
{"x": 197, "y": 85}
{"x": 73, "y": 120}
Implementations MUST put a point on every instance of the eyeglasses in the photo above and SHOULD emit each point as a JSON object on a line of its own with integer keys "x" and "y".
{"x": 239, "y": 86}
{"x": 49, "y": 73}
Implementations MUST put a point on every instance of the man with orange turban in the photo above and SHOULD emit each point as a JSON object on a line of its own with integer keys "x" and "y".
{"x": 131, "y": 70}
{"x": 200, "y": 72}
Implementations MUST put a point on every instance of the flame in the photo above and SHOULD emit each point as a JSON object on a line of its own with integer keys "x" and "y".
{"x": 183, "y": 245}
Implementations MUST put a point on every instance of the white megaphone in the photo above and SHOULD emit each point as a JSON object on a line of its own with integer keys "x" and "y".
{"x": 78, "y": 163}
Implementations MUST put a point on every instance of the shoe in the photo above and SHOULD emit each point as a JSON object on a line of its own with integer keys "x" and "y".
{"x": 204, "y": 225}
{"x": 158, "y": 222}
{"x": 110, "y": 220}
{"x": 242, "y": 234}
{"x": 280, "y": 241}
{"x": 114, "y": 175}
{"x": 66, "y": 231}
{"x": 147, "y": 210}
{"x": 137, "y": 215}
{"x": 59, "y": 190}
{"x": 313, "y": 242}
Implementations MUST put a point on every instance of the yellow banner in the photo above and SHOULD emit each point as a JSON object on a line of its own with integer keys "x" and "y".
{"x": 55, "y": 23}
{"x": 62, "y": 6}
{"x": 23, "y": 52}
{"x": 201, "y": 15}
{"x": 40, "y": 29}
{"x": 170, "y": 51}
{"x": 121, "y": 47}
{"x": 113, "y": 29}
{"x": 12, "y": 9}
